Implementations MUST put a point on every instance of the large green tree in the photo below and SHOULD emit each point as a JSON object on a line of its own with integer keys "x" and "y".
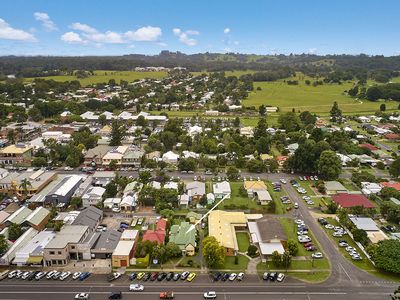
{"x": 329, "y": 165}
{"x": 386, "y": 255}
{"x": 394, "y": 169}
{"x": 213, "y": 252}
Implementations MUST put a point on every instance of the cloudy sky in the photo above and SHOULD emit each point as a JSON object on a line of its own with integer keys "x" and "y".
{"x": 99, "y": 27}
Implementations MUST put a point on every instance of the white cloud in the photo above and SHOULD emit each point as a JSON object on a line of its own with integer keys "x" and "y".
{"x": 184, "y": 36}
{"x": 47, "y": 23}
{"x": 83, "y": 27}
{"x": 9, "y": 33}
{"x": 108, "y": 37}
{"x": 162, "y": 44}
{"x": 312, "y": 50}
{"x": 144, "y": 34}
{"x": 72, "y": 38}
{"x": 227, "y": 30}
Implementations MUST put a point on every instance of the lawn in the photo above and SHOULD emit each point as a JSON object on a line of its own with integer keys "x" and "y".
{"x": 238, "y": 200}
{"x": 314, "y": 277}
{"x": 307, "y": 97}
{"x": 319, "y": 264}
{"x": 104, "y": 76}
{"x": 230, "y": 263}
{"x": 243, "y": 241}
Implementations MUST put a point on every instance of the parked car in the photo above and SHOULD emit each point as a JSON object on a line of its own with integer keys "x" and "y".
{"x": 133, "y": 276}
{"x": 240, "y": 276}
{"x": 304, "y": 238}
{"x": 176, "y": 276}
{"x": 280, "y": 277}
{"x": 169, "y": 276}
{"x": 232, "y": 277}
{"x": 343, "y": 244}
{"x": 273, "y": 276}
{"x": 161, "y": 276}
{"x": 113, "y": 276}
{"x": 265, "y": 276}
{"x": 317, "y": 255}
{"x": 50, "y": 274}
{"x": 225, "y": 277}
{"x": 56, "y": 275}
{"x": 210, "y": 295}
{"x": 76, "y": 275}
{"x": 216, "y": 276}
{"x": 84, "y": 275}
{"x": 64, "y": 275}
{"x": 184, "y": 275}
{"x": 337, "y": 234}
{"x": 329, "y": 226}
{"x": 147, "y": 276}
{"x": 136, "y": 287}
{"x": 25, "y": 275}
{"x": 153, "y": 276}
{"x": 82, "y": 296}
{"x": 191, "y": 277}
{"x": 140, "y": 275}
{"x": 40, "y": 275}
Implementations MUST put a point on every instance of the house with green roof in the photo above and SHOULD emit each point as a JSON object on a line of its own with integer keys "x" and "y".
{"x": 184, "y": 238}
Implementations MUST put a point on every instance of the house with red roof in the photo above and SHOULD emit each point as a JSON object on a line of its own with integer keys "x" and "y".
{"x": 368, "y": 146}
{"x": 281, "y": 160}
{"x": 395, "y": 185}
{"x": 346, "y": 200}
{"x": 157, "y": 235}
{"x": 392, "y": 136}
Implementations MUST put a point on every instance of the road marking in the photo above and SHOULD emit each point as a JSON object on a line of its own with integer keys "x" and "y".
{"x": 344, "y": 270}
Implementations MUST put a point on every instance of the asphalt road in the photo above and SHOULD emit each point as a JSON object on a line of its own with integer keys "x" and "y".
{"x": 251, "y": 286}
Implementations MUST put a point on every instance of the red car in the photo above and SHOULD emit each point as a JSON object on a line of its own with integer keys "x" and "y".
{"x": 167, "y": 295}
{"x": 308, "y": 244}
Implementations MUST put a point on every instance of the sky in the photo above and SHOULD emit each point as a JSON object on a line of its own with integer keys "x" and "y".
{"x": 98, "y": 27}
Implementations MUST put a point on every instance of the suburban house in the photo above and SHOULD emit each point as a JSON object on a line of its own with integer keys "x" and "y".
{"x": 367, "y": 224}
{"x": 132, "y": 158}
{"x": 102, "y": 178}
{"x": 334, "y": 187}
{"x": 94, "y": 156}
{"x": 222, "y": 189}
{"x": 16, "y": 155}
{"x": 195, "y": 190}
{"x": 65, "y": 246}
{"x": 156, "y": 235}
{"x": 369, "y": 188}
{"x": 223, "y": 225}
{"x": 346, "y": 200}
{"x": 253, "y": 187}
{"x": 247, "y": 131}
{"x": 170, "y": 157}
{"x": 395, "y": 185}
{"x": 268, "y": 234}
{"x": 92, "y": 196}
{"x": 61, "y": 194}
{"x": 184, "y": 238}
{"x": 124, "y": 250}
{"x": 115, "y": 154}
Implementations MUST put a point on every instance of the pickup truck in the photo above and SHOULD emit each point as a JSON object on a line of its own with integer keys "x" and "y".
{"x": 167, "y": 295}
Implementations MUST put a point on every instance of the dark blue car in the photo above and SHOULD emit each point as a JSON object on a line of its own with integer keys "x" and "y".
{"x": 84, "y": 276}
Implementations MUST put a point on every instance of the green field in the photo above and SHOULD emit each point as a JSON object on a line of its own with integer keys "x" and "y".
{"x": 243, "y": 241}
{"x": 315, "y": 99}
{"x": 105, "y": 76}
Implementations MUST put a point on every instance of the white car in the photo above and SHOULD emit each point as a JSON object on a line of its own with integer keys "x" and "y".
{"x": 283, "y": 181}
{"x": 338, "y": 228}
{"x": 232, "y": 277}
{"x": 210, "y": 295}
{"x": 40, "y": 275}
{"x": 116, "y": 209}
{"x": 296, "y": 205}
{"x": 304, "y": 239}
{"x": 337, "y": 234}
{"x": 350, "y": 249}
{"x": 26, "y": 275}
{"x": 136, "y": 287}
{"x": 240, "y": 276}
{"x": 298, "y": 221}
{"x": 343, "y": 244}
{"x": 64, "y": 275}
{"x": 329, "y": 226}
{"x": 317, "y": 255}
{"x": 50, "y": 274}
{"x": 280, "y": 277}
{"x": 82, "y": 296}
{"x": 76, "y": 275}
{"x": 12, "y": 274}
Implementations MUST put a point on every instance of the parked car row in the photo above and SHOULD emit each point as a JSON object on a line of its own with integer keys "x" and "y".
{"x": 273, "y": 276}
{"x": 305, "y": 178}
{"x": 160, "y": 276}
{"x": 285, "y": 200}
{"x": 277, "y": 186}
{"x": 51, "y": 275}
{"x": 302, "y": 232}
{"x": 218, "y": 276}
{"x": 308, "y": 200}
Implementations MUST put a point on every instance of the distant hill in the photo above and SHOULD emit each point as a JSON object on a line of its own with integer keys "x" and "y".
{"x": 31, "y": 66}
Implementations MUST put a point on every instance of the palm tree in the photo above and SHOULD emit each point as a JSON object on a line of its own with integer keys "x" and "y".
{"x": 25, "y": 185}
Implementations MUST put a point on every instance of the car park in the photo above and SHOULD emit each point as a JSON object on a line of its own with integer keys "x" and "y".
{"x": 136, "y": 287}
{"x": 240, "y": 276}
{"x": 210, "y": 295}
{"x": 64, "y": 275}
{"x": 317, "y": 255}
{"x": 280, "y": 277}
{"x": 82, "y": 296}
{"x": 191, "y": 277}
{"x": 115, "y": 295}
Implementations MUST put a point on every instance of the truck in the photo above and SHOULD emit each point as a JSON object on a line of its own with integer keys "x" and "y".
{"x": 167, "y": 295}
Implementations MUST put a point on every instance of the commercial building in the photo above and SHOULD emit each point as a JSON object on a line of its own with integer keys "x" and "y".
{"x": 38, "y": 218}
{"x": 223, "y": 225}
{"x": 90, "y": 217}
{"x": 124, "y": 251}
{"x": 16, "y": 155}
{"x": 346, "y": 200}
{"x": 369, "y": 226}
{"x": 22, "y": 241}
{"x": 63, "y": 191}
{"x": 65, "y": 246}
{"x": 105, "y": 244}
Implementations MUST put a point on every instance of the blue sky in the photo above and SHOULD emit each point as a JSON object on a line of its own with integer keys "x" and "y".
{"x": 89, "y": 27}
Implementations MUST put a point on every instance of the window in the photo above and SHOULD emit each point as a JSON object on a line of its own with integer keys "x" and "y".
{"x": 59, "y": 262}
{"x": 59, "y": 252}
{"x": 72, "y": 247}
{"x": 51, "y": 252}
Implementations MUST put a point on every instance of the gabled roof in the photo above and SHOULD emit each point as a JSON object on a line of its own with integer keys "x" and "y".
{"x": 90, "y": 216}
{"x": 395, "y": 185}
{"x": 19, "y": 216}
{"x": 255, "y": 185}
{"x": 182, "y": 236}
{"x": 157, "y": 235}
{"x": 37, "y": 216}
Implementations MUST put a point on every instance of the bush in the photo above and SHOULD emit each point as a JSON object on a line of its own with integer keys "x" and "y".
{"x": 143, "y": 262}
